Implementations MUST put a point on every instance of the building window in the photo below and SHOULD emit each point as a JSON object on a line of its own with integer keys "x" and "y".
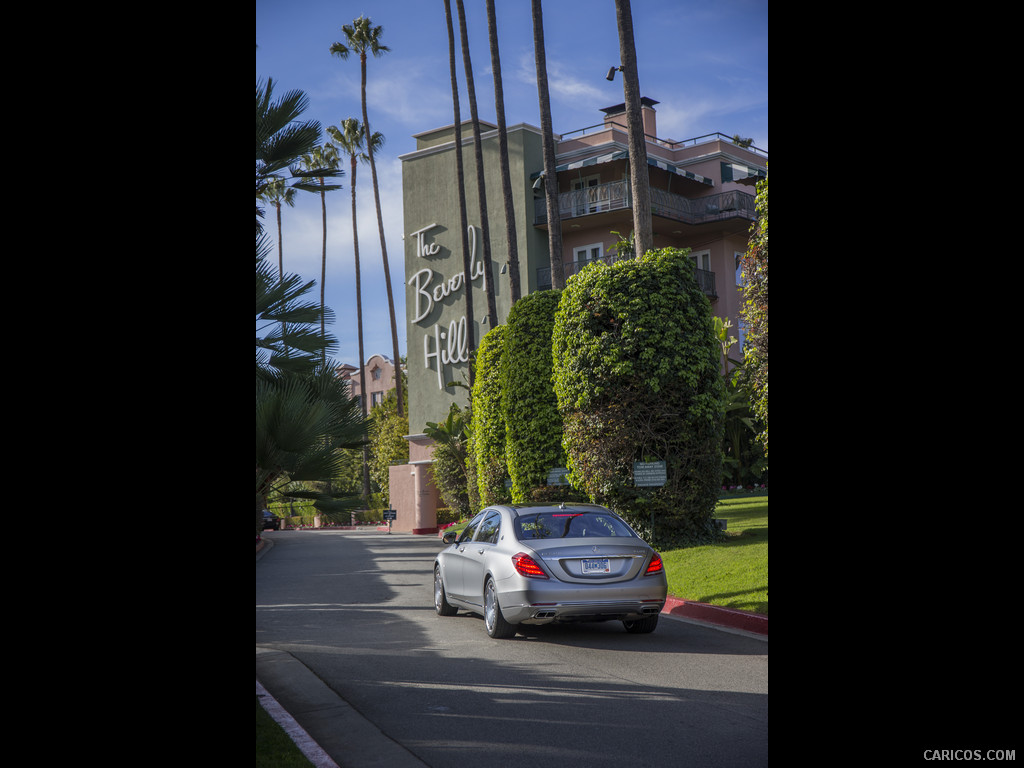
{"x": 705, "y": 277}
{"x": 588, "y": 253}
{"x": 377, "y": 398}
{"x": 703, "y": 259}
{"x": 375, "y": 373}
{"x": 585, "y": 254}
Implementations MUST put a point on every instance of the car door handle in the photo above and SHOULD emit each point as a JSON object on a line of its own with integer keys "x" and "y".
{"x": 480, "y": 551}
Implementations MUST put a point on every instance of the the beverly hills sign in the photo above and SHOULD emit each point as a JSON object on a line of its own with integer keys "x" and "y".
{"x": 447, "y": 345}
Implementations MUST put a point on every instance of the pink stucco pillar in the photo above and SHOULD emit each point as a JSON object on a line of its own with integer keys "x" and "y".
{"x": 414, "y": 498}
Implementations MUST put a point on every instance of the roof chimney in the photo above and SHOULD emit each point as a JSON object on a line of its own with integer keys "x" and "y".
{"x": 617, "y": 115}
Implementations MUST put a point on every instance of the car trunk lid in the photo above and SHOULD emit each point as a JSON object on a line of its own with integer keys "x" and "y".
{"x": 587, "y": 562}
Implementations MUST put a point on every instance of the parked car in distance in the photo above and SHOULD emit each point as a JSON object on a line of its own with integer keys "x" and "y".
{"x": 528, "y": 565}
{"x": 271, "y": 521}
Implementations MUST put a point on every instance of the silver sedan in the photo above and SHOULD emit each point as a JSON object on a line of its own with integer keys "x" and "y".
{"x": 537, "y": 565}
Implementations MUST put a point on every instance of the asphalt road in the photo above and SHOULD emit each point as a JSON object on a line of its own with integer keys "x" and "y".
{"x": 348, "y": 641}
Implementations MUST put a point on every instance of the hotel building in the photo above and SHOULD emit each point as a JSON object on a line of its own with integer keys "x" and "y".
{"x": 702, "y": 198}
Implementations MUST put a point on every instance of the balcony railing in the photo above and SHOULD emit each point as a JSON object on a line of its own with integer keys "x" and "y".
{"x": 705, "y": 278}
{"x": 615, "y": 196}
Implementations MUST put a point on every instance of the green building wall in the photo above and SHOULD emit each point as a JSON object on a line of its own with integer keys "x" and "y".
{"x": 433, "y": 256}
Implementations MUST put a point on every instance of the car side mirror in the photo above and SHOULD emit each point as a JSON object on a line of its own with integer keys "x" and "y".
{"x": 449, "y": 537}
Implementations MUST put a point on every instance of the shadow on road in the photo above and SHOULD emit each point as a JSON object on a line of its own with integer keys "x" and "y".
{"x": 358, "y": 612}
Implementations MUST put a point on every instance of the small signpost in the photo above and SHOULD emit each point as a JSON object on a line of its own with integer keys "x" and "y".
{"x": 389, "y": 515}
{"x": 648, "y": 474}
{"x": 557, "y": 476}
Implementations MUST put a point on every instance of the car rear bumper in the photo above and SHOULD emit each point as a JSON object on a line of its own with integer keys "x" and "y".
{"x": 544, "y": 602}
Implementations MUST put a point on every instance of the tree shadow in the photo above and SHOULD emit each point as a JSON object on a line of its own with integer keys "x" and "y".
{"x": 554, "y": 695}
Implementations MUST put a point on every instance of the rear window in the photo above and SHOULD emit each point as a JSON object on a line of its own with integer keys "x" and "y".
{"x": 570, "y": 525}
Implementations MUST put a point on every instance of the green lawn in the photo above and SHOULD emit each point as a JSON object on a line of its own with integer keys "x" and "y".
{"x": 274, "y": 747}
{"x": 733, "y": 574}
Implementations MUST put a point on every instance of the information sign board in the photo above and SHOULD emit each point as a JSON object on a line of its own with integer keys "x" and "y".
{"x": 649, "y": 473}
{"x": 557, "y": 476}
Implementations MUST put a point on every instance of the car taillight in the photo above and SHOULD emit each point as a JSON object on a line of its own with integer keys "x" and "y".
{"x": 527, "y": 566}
{"x": 656, "y": 566}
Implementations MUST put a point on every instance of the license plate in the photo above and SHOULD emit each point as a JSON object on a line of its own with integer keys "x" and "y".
{"x": 596, "y": 566}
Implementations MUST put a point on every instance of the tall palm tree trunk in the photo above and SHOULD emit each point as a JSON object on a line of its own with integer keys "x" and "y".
{"x": 280, "y": 254}
{"x": 548, "y": 143}
{"x": 460, "y": 181}
{"x": 359, "y": 333}
{"x": 383, "y": 243}
{"x": 639, "y": 177}
{"x": 323, "y": 270}
{"x": 280, "y": 244}
{"x": 481, "y": 185}
{"x": 506, "y": 180}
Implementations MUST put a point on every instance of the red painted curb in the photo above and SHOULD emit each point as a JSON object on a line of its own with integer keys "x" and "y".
{"x": 729, "y": 617}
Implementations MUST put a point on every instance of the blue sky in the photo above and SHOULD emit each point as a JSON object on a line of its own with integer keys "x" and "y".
{"x": 705, "y": 62}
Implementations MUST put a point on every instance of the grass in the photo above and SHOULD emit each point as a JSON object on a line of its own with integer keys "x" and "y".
{"x": 731, "y": 574}
{"x": 734, "y": 573}
{"x": 274, "y": 747}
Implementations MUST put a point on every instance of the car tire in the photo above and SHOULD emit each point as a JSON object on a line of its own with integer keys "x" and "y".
{"x": 494, "y": 622}
{"x": 642, "y": 626}
{"x": 441, "y": 604}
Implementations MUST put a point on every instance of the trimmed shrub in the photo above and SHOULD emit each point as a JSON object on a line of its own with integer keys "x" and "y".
{"x": 533, "y": 427}
{"x": 488, "y": 430}
{"x": 636, "y": 375}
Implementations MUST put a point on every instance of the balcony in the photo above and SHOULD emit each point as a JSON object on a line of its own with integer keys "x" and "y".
{"x": 705, "y": 278}
{"x": 615, "y": 196}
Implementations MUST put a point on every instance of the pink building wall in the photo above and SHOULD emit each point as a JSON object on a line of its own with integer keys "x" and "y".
{"x": 412, "y": 491}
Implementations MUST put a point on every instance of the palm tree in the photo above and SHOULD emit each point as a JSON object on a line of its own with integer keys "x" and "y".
{"x": 304, "y": 415}
{"x": 362, "y": 38}
{"x": 548, "y": 144}
{"x": 460, "y": 183}
{"x": 638, "y": 173}
{"x": 506, "y": 181}
{"x": 281, "y": 139}
{"x": 324, "y": 157}
{"x": 285, "y": 341}
{"x": 350, "y": 139}
{"x": 277, "y": 193}
{"x": 481, "y": 187}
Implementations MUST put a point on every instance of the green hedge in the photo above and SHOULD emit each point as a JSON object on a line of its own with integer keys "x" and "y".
{"x": 488, "y": 430}
{"x": 636, "y": 374}
{"x": 533, "y": 427}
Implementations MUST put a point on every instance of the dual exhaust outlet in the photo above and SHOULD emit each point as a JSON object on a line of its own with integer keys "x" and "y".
{"x": 548, "y": 613}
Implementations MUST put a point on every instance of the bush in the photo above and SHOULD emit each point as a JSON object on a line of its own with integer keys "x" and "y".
{"x": 488, "y": 429}
{"x": 451, "y": 469}
{"x": 533, "y": 427}
{"x": 636, "y": 374}
{"x": 446, "y": 516}
{"x": 387, "y": 443}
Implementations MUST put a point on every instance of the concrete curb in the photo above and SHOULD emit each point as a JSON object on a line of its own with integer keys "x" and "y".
{"x": 714, "y": 614}
{"x": 303, "y": 740}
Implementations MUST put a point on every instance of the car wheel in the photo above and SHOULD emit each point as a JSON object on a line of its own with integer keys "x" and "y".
{"x": 441, "y": 604}
{"x": 494, "y": 622}
{"x": 642, "y": 626}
